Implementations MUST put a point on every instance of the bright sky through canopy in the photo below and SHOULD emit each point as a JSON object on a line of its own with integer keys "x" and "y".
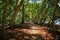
{"x": 38, "y": 1}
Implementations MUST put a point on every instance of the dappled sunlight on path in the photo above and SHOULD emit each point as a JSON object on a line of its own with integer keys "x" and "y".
{"x": 33, "y": 33}
{"x": 39, "y": 30}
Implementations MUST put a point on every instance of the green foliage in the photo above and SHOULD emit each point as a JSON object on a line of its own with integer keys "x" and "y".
{"x": 32, "y": 11}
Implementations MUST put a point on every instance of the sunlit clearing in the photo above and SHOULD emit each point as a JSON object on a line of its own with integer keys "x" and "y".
{"x": 33, "y": 27}
{"x": 39, "y": 30}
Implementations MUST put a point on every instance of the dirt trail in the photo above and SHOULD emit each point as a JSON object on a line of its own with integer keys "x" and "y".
{"x": 34, "y": 32}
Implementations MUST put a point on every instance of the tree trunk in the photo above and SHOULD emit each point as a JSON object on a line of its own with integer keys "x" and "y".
{"x": 46, "y": 11}
{"x": 4, "y": 14}
{"x": 41, "y": 11}
{"x": 17, "y": 8}
{"x": 4, "y": 19}
{"x": 54, "y": 10}
{"x": 23, "y": 14}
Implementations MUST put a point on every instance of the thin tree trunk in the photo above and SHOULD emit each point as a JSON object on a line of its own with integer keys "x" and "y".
{"x": 23, "y": 14}
{"x": 17, "y": 8}
{"x": 54, "y": 10}
{"x": 4, "y": 20}
{"x": 4, "y": 14}
{"x": 46, "y": 11}
{"x": 41, "y": 10}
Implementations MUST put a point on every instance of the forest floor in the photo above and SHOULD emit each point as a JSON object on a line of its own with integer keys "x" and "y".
{"x": 31, "y": 32}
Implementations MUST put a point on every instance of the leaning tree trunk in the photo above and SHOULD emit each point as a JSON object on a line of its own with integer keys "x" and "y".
{"x": 54, "y": 10}
{"x": 46, "y": 11}
{"x": 41, "y": 10}
{"x": 17, "y": 8}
